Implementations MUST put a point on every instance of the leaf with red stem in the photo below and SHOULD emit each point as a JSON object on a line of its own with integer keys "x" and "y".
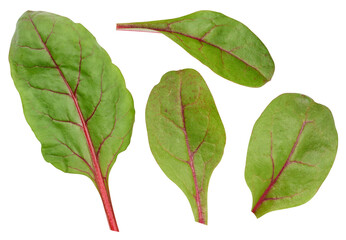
{"x": 186, "y": 135}
{"x": 74, "y": 99}
{"x": 226, "y": 46}
{"x": 291, "y": 151}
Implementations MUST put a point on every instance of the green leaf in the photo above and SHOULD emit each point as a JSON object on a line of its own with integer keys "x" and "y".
{"x": 291, "y": 151}
{"x": 74, "y": 99}
{"x": 186, "y": 135}
{"x": 223, "y": 44}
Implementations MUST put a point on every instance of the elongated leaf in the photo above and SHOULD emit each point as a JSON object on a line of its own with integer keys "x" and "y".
{"x": 74, "y": 98}
{"x": 225, "y": 45}
{"x": 291, "y": 150}
{"x": 186, "y": 135}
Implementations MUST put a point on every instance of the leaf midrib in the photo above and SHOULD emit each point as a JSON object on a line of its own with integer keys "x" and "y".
{"x": 274, "y": 180}
{"x": 75, "y": 101}
{"x": 191, "y": 154}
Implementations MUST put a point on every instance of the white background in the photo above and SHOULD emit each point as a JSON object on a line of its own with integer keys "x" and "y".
{"x": 307, "y": 40}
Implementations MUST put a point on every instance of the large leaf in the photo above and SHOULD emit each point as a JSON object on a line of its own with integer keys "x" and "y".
{"x": 291, "y": 150}
{"x": 74, "y": 98}
{"x": 186, "y": 134}
{"x": 225, "y": 45}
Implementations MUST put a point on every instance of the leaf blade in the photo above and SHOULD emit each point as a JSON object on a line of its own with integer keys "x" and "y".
{"x": 67, "y": 83}
{"x": 284, "y": 167}
{"x": 186, "y": 135}
{"x": 223, "y": 44}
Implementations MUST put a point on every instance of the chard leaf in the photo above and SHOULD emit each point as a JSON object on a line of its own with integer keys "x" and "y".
{"x": 291, "y": 151}
{"x": 186, "y": 135}
{"x": 74, "y": 99}
{"x": 223, "y": 44}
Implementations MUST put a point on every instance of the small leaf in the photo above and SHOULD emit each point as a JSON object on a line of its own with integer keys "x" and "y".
{"x": 223, "y": 44}
{"x": 74, "y": 99}
{"x": 291, "y": 151}
{"x": 186, "y": 135}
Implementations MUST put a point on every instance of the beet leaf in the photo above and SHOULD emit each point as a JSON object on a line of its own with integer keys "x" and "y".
{"x": 186, "y": 135}
{"x": 291, "y": 151}
{"x": 74, "y": 99}
{"x": 223, "y": 44}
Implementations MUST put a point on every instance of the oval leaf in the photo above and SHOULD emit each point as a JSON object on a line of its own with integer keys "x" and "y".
{"x": 74, "y": 98}
{"x": 223, "y": 44}
{"x": 291, "y": 151}
{"x": 186, "y": 135}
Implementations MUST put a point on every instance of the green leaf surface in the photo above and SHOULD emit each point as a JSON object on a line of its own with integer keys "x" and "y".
{"x": 186, "y": 135}
{"x": 74, "y": 99}
{"x": 223, "y": 44}
{"x": 291, "y": 151}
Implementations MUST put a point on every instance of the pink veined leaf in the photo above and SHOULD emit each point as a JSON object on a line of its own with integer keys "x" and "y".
{"x": 186, "y": 135}
{"x": 223, "y": 44}
{"x": 74, "y": 98}
{"x": 291, "y": 151}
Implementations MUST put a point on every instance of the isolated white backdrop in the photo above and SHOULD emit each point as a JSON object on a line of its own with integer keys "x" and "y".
{"x": 307, "y": 40}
